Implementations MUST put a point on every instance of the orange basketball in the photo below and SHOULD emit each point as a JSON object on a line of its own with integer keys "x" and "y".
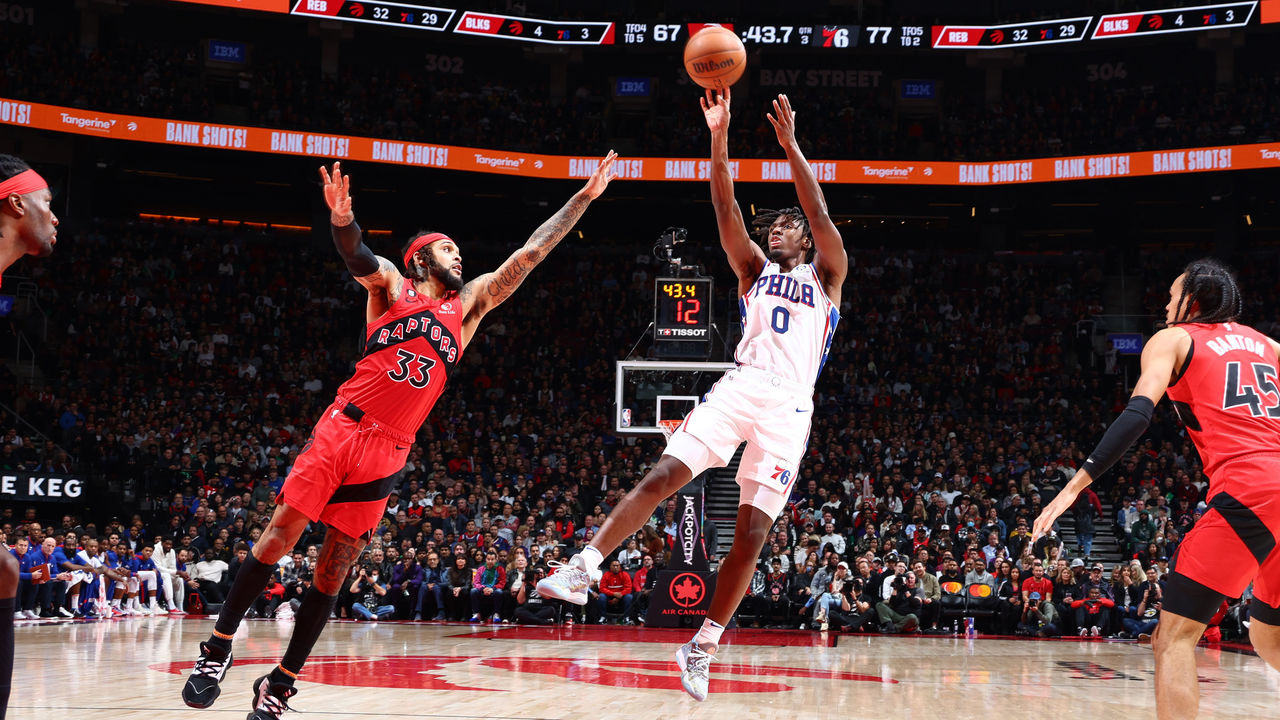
{"x": 714, "y": 57}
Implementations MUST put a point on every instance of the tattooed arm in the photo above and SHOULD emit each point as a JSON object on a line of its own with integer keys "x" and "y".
{"x": 492, "y": 289}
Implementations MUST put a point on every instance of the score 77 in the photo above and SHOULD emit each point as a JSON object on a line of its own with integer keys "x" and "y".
{"x": 882, "y": 31}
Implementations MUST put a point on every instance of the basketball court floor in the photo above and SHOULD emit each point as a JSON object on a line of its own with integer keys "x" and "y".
{"x": 131, "y": 668}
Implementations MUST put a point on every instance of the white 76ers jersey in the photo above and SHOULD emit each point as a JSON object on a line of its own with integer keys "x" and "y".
{"x": 787, "y": 324}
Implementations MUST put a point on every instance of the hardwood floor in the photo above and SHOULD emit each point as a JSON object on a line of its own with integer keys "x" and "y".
{"x": 132, "y": 668}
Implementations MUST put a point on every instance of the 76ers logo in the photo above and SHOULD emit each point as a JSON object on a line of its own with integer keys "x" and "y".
{"x": 782, "y": 475}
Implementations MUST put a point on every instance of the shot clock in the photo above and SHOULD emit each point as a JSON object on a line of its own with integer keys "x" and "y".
{"x": 682, "y": 309}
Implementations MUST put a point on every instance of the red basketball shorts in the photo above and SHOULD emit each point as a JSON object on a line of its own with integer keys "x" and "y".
{"x": 1234, "y": 543}
{"x": 346, "y": 471}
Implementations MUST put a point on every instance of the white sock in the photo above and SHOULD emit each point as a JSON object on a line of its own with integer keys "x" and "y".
{"x": 591, "y": 559}
{"x": 710, "y": 633}
{"x": 115, "y": 603}
{"x": 75, "y": 602}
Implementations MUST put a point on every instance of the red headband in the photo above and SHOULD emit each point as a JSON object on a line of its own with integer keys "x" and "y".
{"x": 27, "y": 181}
{"x": 422, "y": 242}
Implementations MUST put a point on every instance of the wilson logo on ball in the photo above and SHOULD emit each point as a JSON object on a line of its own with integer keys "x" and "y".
{"x": 706, "y": 67}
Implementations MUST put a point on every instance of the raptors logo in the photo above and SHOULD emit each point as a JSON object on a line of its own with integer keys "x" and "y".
{"x": 464, "y": 672}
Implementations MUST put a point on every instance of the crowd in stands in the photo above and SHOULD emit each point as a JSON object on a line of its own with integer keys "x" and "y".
{"x": 958, "y": 398}
{"x": 509, "y": 105}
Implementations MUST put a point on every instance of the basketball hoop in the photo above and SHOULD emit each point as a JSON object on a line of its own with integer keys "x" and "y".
{"x": 669, "y": 426}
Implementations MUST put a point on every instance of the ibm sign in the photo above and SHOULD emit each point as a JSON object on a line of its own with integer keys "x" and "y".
{"x": 1127, "y": 343}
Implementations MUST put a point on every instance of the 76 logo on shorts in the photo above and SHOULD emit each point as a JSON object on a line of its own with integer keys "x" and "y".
{"x": 416, "y": 369}
{"x": 782, "y": 475}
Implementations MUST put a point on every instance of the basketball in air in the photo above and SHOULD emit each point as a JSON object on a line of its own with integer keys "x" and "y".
{"x": 714, "y": 57}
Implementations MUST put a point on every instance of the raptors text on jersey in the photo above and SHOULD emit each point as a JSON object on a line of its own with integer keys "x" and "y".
{"x": 408, "y": 355}
{"x": 1229, "y": 394}
{"x": 787, "y": 324}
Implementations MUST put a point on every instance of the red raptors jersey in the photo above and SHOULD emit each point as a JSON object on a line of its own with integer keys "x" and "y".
{"x": 1229, "y": 395}
{"x": 408, "y": 355}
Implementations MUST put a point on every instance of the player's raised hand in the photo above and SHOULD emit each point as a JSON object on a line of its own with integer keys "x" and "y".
{"x": 715, "y": 106}
{"x": 599, "y": 179}
{"x": 337, "y": 194}
{"x": 783, "y": 119}
{"x": 1061, "y": 503}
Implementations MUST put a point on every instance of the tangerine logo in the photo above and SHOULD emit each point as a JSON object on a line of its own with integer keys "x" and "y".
{"x": 687, "y": 590}
{"x": 437, "y": 672}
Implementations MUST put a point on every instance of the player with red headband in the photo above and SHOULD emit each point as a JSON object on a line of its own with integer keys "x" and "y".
{"x": 27, "y": 227}
{"x": 418, "y": 323}
{"x": 27, "y": 224}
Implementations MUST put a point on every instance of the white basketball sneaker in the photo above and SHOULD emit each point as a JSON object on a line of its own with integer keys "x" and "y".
{"x": 695, "y": 669}
{"x": 568, "y": 582}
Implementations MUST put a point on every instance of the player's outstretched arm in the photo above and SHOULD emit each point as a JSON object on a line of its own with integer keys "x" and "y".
{"x": 745, "y": 257}
{"x": 377, "y": 274}
{"x": 1159, "y": 358}
{"x": 830, "y": 257}
{"x": 490, "y": 290}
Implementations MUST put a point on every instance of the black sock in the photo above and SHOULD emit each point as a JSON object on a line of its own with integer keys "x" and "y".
{"x": 6, "y": 651}
{"x": 308, "y": 623}
{"x": 248, "y": 585}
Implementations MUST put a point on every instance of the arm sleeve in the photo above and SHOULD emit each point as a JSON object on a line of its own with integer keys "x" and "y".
{"x": 1123, "y": 432}
{"x": 359, "y": 259}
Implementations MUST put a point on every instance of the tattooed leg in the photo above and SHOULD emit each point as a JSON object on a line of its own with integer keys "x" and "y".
{"x": 339, "y": 552}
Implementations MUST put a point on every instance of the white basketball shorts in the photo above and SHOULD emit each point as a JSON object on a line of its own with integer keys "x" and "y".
{"x": 772, "y": 414}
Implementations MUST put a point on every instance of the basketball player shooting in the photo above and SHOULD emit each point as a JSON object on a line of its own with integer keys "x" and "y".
{"x": 27, "y": 227}
{"x": 418, "y": 324}
{"x": 789, "y": 296}
{"x": 1221, "y": 377}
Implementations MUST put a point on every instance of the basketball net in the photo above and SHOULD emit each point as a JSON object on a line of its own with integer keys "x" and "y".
{"x": 669, "y": 426}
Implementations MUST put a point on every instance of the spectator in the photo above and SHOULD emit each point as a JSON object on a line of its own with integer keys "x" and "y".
{"x": 1009, "y": 592}
{"x": 1039, "y": 613}
{"x": 486, "y": 589}
{"x": 432, "y": 587}
{"x": 371, "y": 595}
{"x": 642, "y": 585}
{"x": 899, "y": 614}
{"x": 930, "y": 597}
{"x": 532, "y": 608}
{"x": 406, "y": 584}
{"x": 1148, "y": 613}
{"x": 616, "y": 592}
{"x": 1092, "y": 611}
{"x": 208, "y": 578}
{"x": 1127, "y": 596}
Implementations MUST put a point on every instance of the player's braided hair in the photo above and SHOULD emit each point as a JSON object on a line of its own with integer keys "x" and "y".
{"x": 764, "y": 220}
{"x": 1210, "y": 288}
{"x": 11, "y": 165}
{"x": 414, "y": 270}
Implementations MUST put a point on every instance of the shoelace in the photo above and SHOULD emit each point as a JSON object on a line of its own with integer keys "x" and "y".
{"x": 273, "y": 704}
{"x": 210, "y": 667}
{"x": 698, "y": 663}
{"x": 575, "y": 577}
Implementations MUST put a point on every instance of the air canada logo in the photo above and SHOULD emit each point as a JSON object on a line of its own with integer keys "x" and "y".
{"x": 687, "y": 590}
